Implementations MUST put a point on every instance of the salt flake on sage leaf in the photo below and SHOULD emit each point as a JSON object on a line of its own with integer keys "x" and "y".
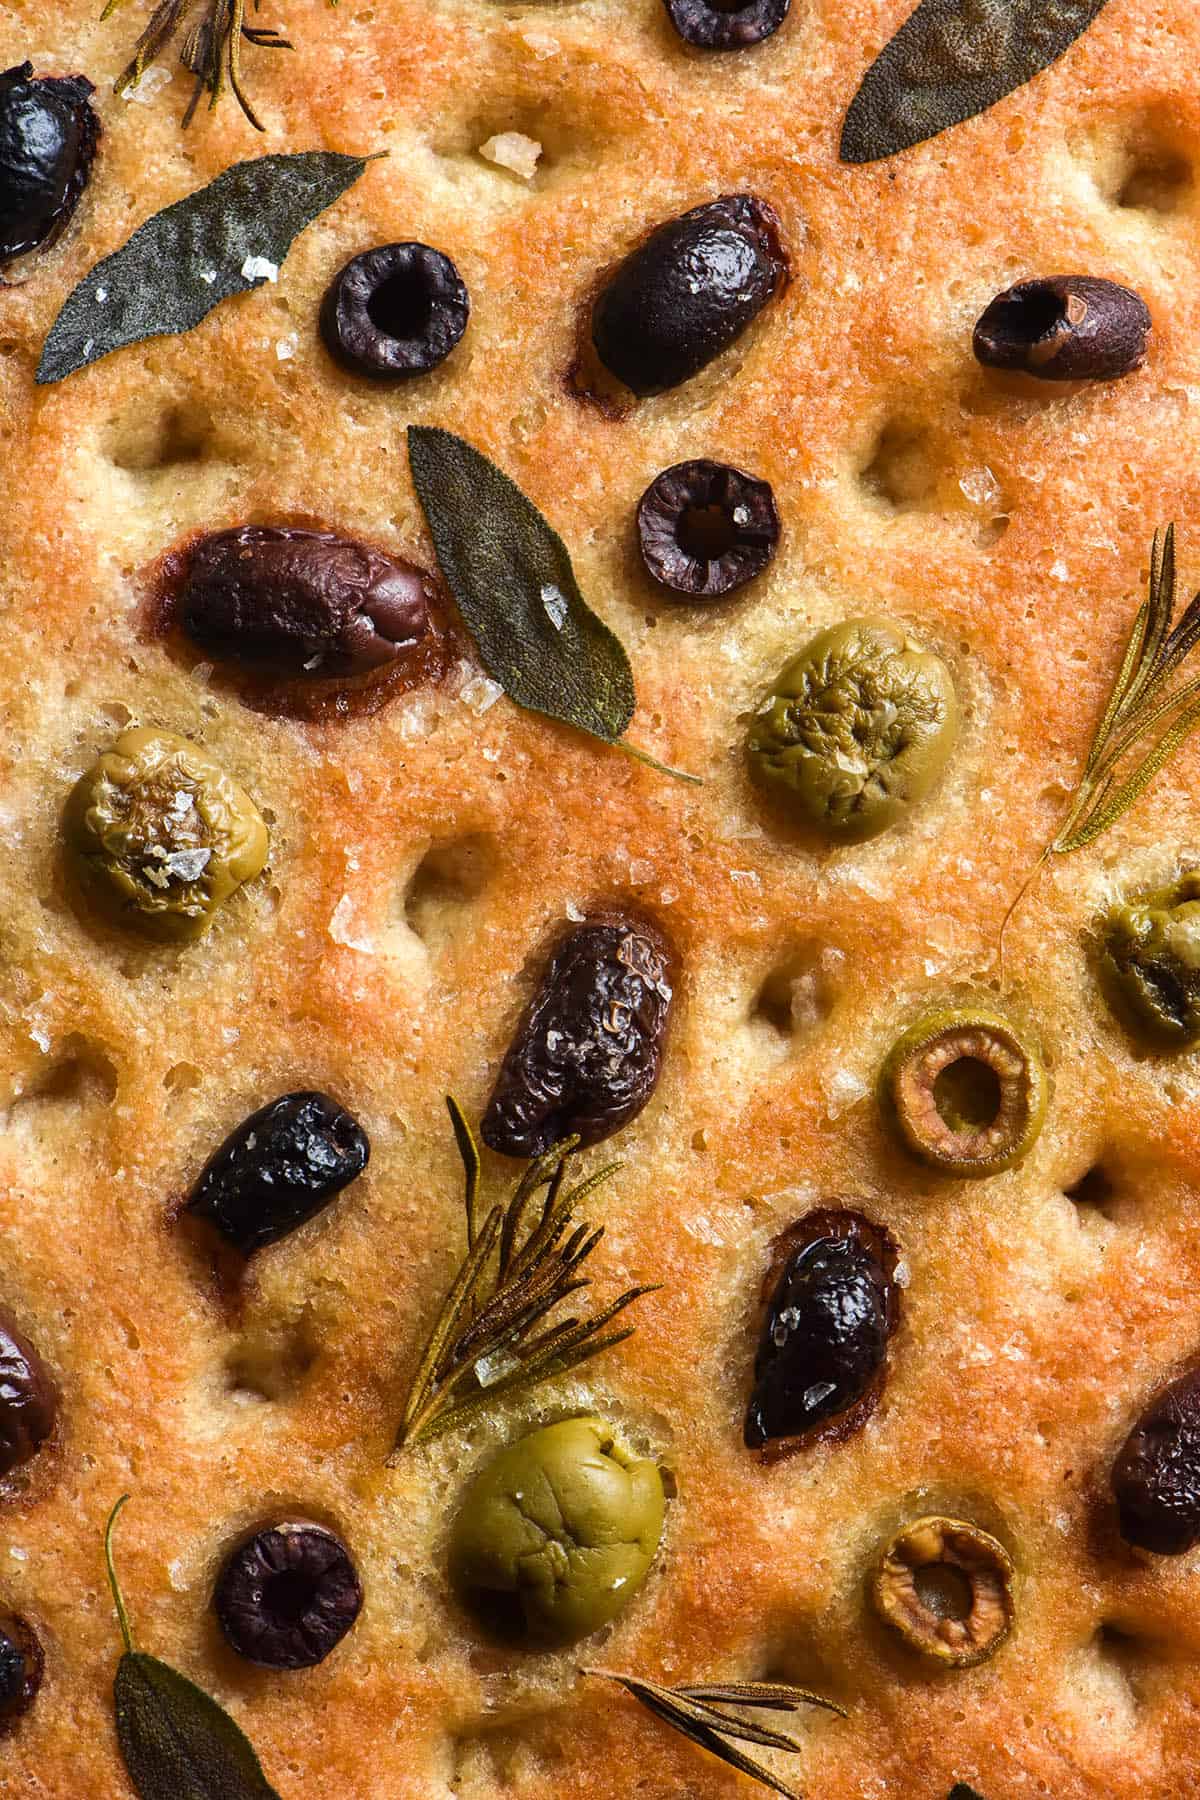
{"x": 187, "y": 259}
{"x": 512, "y": 579}
{"x": 177, "y": 1743}
{"x": 952, "y": 59}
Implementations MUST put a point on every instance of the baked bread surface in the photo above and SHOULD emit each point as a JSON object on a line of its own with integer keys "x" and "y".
{"x": 423, "y": 858}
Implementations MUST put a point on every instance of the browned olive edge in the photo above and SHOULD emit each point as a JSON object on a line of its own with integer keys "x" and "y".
{"x": 330, "y": 701}
{"x": 825, "y": 1222}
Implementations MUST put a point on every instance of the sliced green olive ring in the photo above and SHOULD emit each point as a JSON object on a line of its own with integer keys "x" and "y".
{"x": 945, "y": 1587}
{"x": 966, "y": 1092}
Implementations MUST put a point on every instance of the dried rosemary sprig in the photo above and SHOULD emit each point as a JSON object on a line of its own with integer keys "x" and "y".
{"x": 485, "y": 1342}
{"x": 211, "y": 48}
{"x": 1143, "y": 700}
{"x": 696, "y": 1712}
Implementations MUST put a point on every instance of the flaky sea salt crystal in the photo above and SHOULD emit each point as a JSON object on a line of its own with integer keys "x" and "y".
{"x": 980, "y": 486}
{"x": 555, "y": 603}
{"x": 641, "y": 870}
{"x": 154, "y": 77}
{"x": 480, "y": 694}
{"x": 286, "y": 347}
{"x": 748, "y": 879}
{"x": 260, "y": 268}
{"x": 490, "y": 1369}
{"x": 513, "y": 150}
{"x": 342, "y": 928}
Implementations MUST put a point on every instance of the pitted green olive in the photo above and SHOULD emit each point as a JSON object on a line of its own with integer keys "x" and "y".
{"x": 857, "y": 729}
{"x": 160, "y": 836}
{"x": 966, "y": 1092}
{"x": 557, "y": 1533}
{"x": 1150, "y": 963}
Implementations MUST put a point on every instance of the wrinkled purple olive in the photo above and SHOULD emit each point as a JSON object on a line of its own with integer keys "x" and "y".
{"x": 1156, "y": 1477}
{"x": 705, "y": 528}
{"x": 48, "y": 139}
{"x": 302, "y": 604}
{"x": 1065, "y": 328}
{"x": 28, "y": 1399}
{"x": 22, "y": 1666}
{"x": 395, "y": 312}
{"x": 287, "y": 1596}
{"x": 726, "y": 24}
{"x": 688, "y": 292}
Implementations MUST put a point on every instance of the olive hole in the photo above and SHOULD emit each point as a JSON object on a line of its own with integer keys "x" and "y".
{"x": 706, "y": 532}
{"x": 1096, "y": 1190}
{"x": 902, "y": 468}
{"x": 288, "y": 1596}
{"x": 1156, "y": 183}
{"x": 446, "y": 882}
{"x": 943, "y": 1591}
{"x": 401, "y": 308}
{"x": 967, "y": 1094}
{"x": 1030, "y": 317}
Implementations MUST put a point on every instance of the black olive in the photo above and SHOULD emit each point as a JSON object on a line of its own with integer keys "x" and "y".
{"x": 726, "y": 24}
{"x": 288, "y": 1596}
{"x": 303, "y": 604}
{"x": 833, "y": 1306}
{"x": 278, "y": 1168}
{"x": 688, "y": 292}
{"x": 1065, "y": 328}
{"x": 586, "y": 1056}
{"x": 705, "y": 528}
{"x": 48, "y": 138}
{"x": 28, "y": 1399}
{"x": 1156, "y": 1478}
{"x": 395, "y": 312}
{"x": 22, "y": 1666}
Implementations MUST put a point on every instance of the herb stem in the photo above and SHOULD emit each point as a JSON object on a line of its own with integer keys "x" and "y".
{"x": 114, "y": 1584}
{"x": 652, "y": 762}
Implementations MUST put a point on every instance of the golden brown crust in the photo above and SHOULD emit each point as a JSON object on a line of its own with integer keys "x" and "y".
{"x": 1009, "y": 524}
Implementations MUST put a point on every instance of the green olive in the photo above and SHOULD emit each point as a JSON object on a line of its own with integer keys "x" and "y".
{"x": 857, "y": 729}
{"x": 556, "y": 1534}
{"x": 160, "y": 836}
{"x": 1150, "y": 963}
{"x": 965, "y": 1091}
{"x": 945, "y": 1587}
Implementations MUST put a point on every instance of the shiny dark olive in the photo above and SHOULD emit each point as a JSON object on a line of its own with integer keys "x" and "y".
{"x": 28, "y": 1399}
{"x": 586, "y": 1056}
{"x": 395, "y": 312}
{"x": 1065, "y": 328}
{"x": 688, "y": 292}
{"x": 833, "y": 1306}
{"x": 279, "y": 1168}
{"x": 1156, "y": 1477}
{"x": 48, "y": 138}
{"x": 22, "y": 1666}
{"x": 287, "y": 1596}
{"x": 705, "y": 528}
{"x": 726, "y": 24}
{"x": 303, "y": 604}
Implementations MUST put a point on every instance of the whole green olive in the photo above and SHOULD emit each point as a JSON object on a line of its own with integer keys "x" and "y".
{"x": 160, "y": 836}
{"x": 857, "y": 729}
{"x": 1150, "y": 963}
{"x": 557, "y": 1533}
{"x": 965, "y": 1091}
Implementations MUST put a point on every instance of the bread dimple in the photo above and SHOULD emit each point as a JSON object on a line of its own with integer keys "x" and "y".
{"x": 1008, "y": 526}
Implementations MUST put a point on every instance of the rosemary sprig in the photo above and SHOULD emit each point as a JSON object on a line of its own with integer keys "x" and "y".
{"x": 211, "y": 48}
{"x": 1143, "y": 701}
{"x": 518, "y": 1268}
{"x": 697, "y": 1713}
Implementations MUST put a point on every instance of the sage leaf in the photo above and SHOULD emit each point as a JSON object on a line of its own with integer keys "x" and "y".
{"x": 226, "y": 238}
{"x": 178, "y": 1744}
{"x": 960, "y": 1791}
{"x": 511, "y": 577}
{"x": 952, "y": 59}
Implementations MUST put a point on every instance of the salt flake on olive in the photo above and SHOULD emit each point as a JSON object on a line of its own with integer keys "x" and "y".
{"x": 706, "y": 528}
{"x": 288, "y": 1595}
{"x": 48, "y": 139}
{"x": 944, "y": 1586}
{"x": 965, "y": 1091}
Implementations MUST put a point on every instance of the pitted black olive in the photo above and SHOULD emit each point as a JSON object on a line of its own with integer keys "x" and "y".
{"x": 22, "y": 1666}
{"x": 833, "y": 1305}
{"x": 726, "y": 24}
{"x": 287, "y": 1596}
{"x": 28, "y": 1399}
{"x": 395, "y": 312}
{"x": 705, "y": 528}
{"x": 586, "y": 1056}
{"x": 303, "y": 604}
{"x": 1065, "y": 328}
{"x": 688, "y": 292}
{"x": 1156, "y": 1478}
{"x": 48, "y": 138}
{"x": 279, "y": 1168}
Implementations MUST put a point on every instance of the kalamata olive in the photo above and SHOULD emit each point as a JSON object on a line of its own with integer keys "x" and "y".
{"x": 1065, "y": 328}
{"x": 28, "y": 1398}
{"x": 688, "y": 292}
{"x": 306, "y": 605}
{"x": 395, "y": 312}
{"x": 48, "y": 138}
{"x": 586, "y": 1056}
{"x": 706, "y": 528}
{"x": 22, "y": 1666}
{"x": 279, "y": 1168}
{"x": 288, "y": 1595}
{"x": 1156, "y": 1477}
{"x": 832, "y": 1305}
{"x": 726, "y": 24}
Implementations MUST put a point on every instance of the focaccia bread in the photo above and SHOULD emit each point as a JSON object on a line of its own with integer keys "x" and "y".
{"x": 424, "y": 851}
